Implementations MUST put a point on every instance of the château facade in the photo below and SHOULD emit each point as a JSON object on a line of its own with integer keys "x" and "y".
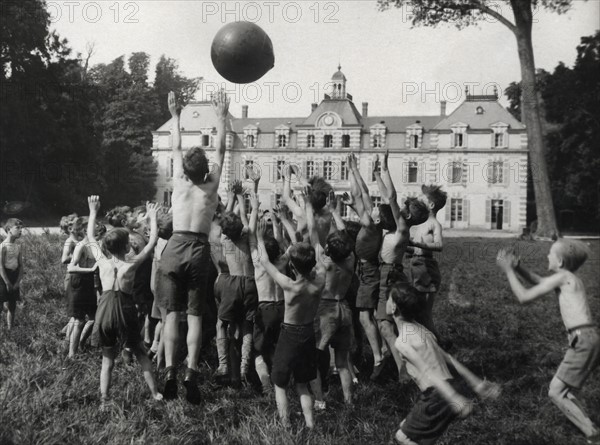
{"x": 478, "y": 153}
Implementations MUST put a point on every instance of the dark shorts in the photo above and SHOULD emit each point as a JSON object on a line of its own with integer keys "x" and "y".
{"x": 368, "y": 289}
{"x": 430, "y": 416}
{"x": 239, "y": 298}
{"x": 219, "y": 287}
{"x": 390, "y": 274}
{"x": 582, "y": 357}
{"x": 12, "y": 296}
{"x": 267, "y": 326}
{"x": 295, "y": 354}
{"x": 333, "y": 326}
{"x": 116, "y": 321}
{"x": 182, "y": 277}
{"x": 81, "y": 296}
{"x": 423, "y": 273}
{"x": 142, "y": 294}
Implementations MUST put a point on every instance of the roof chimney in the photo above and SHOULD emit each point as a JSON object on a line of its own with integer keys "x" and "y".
{"x": 244, "y": 111}
{"x": 365, "y": 112}
{"x": 443, "y": 108}
{"x": 313, "y": 107}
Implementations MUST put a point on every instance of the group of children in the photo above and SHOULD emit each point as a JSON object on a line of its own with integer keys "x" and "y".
{"x": 291, "y": 284}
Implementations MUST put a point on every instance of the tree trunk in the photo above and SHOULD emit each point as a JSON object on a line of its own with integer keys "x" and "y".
{"x": 546, "y": 218}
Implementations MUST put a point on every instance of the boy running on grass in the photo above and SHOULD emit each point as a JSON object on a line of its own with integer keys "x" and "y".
{"x": 440, "y": 401}
{"x": 116, "y": 318}
{"x": 423, "y": 271}
{"x": 296, "y": 351}
{"x": 583, "y": 355}
{"x": 185, "y": 261}
{"x": 11, "y": 269}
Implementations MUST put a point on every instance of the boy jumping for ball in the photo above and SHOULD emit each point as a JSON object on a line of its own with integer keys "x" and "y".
{"x": 185, "y": 261}
{"x": 296, "y": 351}
{"x": 440, "y": 401}
{"x": 583, "y": 355}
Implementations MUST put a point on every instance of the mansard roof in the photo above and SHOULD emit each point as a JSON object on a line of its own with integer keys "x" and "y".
{"x": 493, "y": 112}
{"x": 344, "y": 108}
{"x": 196, "y": 116}
{"x": 399, "y": 124}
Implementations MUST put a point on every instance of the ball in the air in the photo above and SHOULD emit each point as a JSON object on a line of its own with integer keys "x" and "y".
{"x": 242, "y": 52}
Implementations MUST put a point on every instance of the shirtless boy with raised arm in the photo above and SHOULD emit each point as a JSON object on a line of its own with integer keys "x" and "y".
{"x": 184, "y": 262}
{"x": 296, "y": 350}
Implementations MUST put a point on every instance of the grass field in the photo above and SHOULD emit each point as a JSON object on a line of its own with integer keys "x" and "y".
{"x": 45, "y": 400}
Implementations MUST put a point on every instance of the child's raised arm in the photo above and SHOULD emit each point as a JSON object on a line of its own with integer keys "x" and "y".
{"x": 94, "y": 206}
{"x": 176, "y": 135}
{"x": 286, "y": 197}
{"x": 285, "y": 282}
{"x": 74, "y": 264}
{"x": 505, "y": 260}
{"x": 151, "y": 212}
{"x": 287, "y": 224}
{"x": 253, "y": 222}
{"x": 334, "y": 208}
{"x": 362, "y": 186}
{"x": 220, "y": 104}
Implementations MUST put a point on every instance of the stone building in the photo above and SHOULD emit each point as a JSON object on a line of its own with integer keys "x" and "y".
{"x": 478, "y": 153}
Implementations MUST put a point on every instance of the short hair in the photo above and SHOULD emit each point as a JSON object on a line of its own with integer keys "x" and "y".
{"x": 338, "y": 245}
{"x": 100, "y": 230}
{"x": 164, "y": 221}
{"x": 573, "y": 253}
{"x": 272, "y": 246}
{"x": 302, "y": 257}
{"x": 79, "y": 227}
{"x": 319, "y": 192}
{"x": 352, "y": 229}
{"x": 407, "y": 299}
{"x": 115, "y": 241}
{"x": 195, "y": 165}
{"x": 231, "y": 225}
{"x": 386, "y": 218}
{"x": 12, "y": 222}
{"x": 415, "y": 212}
{"x": 117, "y": 217}
{"x": 436, "y": 195}
{"x": 66, "y": 223}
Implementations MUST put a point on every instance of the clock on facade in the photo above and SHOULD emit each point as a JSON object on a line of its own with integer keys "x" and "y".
{"x": 328, "y": 120}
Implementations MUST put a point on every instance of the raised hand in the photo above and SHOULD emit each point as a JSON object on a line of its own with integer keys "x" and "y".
{"x": 352, "y": 163}
{"x": 348, "y": 199}
{"x": 152, "y": 210}
{"x": 384, "y": 166}
{"x": 254, "y": 203}
{"x": 220, "y": 103}
{"x": 262, "y": 229}
{"x": 94, "y": 203}
{"x": 237, "y": 188}
{"x": 332, "y": 202}
{"x": 172, "y": 102}
{"x": 293, "y": 170}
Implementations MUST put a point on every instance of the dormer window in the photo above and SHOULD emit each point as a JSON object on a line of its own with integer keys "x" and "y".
{"x": 498, "y": 140}
{"x": 414, "y": 135}
{"x": 458, "y": 140}
{"x": 282, "y": 141}
{"x": 205, "y": 140}
{"x": 377, "y": 141}
{"x": 378, "y": 135}
{"x": 250, "y": 141}
{"x": 346, "y": 141}
{"x": 479, "y": 110}
{"x": 250, "y": 136}
{"x": 195, "y": 114}
{"x": 310, "y": 141}
{"x": 328, "y": 141}
{"x": 459, "y": 135}
{"x": 499, "y": 135}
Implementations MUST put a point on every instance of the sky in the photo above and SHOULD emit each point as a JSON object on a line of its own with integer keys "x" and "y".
{"x": 397, "y": 69}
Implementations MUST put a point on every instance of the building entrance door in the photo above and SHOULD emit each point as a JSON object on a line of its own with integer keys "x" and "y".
{"x": 497, "y": 214}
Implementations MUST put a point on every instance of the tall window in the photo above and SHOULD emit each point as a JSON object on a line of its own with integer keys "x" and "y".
{"x": 413, "y": 171}
{"x": 498, "y": 140}
{"x": 346, "y": 141}
{"x": 456, "y": 209}
{"x": 205, "y": 140}
{"x": 310, "y": 169}
{"x": 458, "y": 140}
{"x": 414, "y": 141}
{"x": 250, "y": 141}
{"x": 167, "y": 198}
{"x": 376, "y": 201}
{"x": 455, "y": 173}
{"x": 280, "y": 167}
{"x": 248, "y": 167}
{"x": 170, "y": 168}
{"x": 310, "y": 141}
{"x": 496, "y": 172}
{"x": 282, "y": 141}
{"x": 343, "y": 207}
{"x": 328, "y": 141}
{"x": 328, "y": 170}
{"x": 377, "y": 141}
{"x": 344, "y": 171}
{"x": 247, "y": 204}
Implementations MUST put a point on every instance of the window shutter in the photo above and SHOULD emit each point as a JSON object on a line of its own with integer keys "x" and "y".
{"x": 448, "y": 209}
{"x": 505, "y": 173}
{"x": 273, "y": 200}
{"x": 488, "y": 210}
{"x": 490, "y": 172}
{"x": 506, "y": 213}
{"x": 405, "y": 172}
{"x": 464, "y": 173}
{"x": 466, "y": 211}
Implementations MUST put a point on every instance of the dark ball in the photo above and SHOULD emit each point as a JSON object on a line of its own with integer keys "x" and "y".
{"x": 242, "y": 52}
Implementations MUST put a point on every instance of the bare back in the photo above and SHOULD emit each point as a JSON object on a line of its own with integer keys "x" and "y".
{"x": 572, "y": 299}
{"x": 194, "y": 206}
{"x": 323, "y": 224}
{"x": 302, "y": 299}
{"x": 338, "y": 278}
{"x": 238, "y": 256}
{"x": 394, "y": 246}
{"x": 267, "y": 288}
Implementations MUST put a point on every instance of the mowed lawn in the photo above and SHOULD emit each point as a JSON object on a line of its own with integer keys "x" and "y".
{"x": 46, "y": 400}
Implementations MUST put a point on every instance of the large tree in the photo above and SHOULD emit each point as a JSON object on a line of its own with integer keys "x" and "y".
{"x": 463, "y": 13}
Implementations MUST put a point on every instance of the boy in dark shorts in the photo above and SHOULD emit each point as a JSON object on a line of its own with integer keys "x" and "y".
{"x": 116, "y": 319}
{"x": 583, "y": 355}
{"x": 184, "y": 262}
{"x": 423, "y": 271}
{"x": 333, "y": 324}
{"x": 440, "y": 401}
{"x": 296, "y": 351}
{"x": 11, "y": 270}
